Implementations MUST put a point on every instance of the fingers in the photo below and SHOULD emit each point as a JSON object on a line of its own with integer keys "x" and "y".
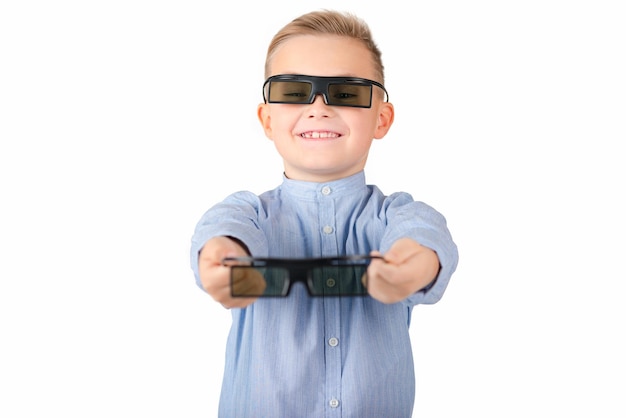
{"x": 382, "y": 283}
{"x": 243, "y": 281}
{"x": 219, "y": 287}
{"x": 215, "y": 277}
{"x": 407, "y": 268}
{"x": 247, "y": 281}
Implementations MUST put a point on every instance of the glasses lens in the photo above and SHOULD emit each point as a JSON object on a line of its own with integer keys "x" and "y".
{"x": 338, "y": 280}
{"x": 258, "y": 281}
{"x": 297, "y": 92}
{"x": 355, "y": 95}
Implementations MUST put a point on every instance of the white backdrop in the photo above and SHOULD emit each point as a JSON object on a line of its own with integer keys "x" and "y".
{"x": 121, "y": 122}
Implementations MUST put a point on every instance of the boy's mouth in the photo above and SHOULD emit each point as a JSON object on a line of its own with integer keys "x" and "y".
{"x": 319, "y": 135}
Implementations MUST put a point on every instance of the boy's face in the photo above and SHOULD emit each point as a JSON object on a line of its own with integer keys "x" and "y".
{"x": 319, "y": 142}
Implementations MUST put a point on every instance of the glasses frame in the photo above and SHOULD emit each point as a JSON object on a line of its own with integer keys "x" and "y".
{"x": 296, "y": 268}
{"x": 320, "y": 85}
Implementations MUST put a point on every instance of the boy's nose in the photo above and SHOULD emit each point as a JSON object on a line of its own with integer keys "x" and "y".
{"x": 318, "y": 108}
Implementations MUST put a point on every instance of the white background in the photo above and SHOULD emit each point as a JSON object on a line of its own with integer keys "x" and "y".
{"x": 121, "y": 122}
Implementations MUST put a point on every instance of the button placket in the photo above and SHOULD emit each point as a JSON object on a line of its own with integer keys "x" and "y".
{"x": 327, "y": 229}
{"x": 332, "y": 324}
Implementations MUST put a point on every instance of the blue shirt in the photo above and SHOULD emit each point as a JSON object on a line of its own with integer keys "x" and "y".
{"x": 300, "y": 356}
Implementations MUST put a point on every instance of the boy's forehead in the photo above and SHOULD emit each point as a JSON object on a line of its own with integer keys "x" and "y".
{"x": 323, "y": 55}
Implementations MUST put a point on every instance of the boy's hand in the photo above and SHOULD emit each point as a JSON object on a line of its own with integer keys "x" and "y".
{"x": 407, "y": 268}
{"x": 215, "y": 277}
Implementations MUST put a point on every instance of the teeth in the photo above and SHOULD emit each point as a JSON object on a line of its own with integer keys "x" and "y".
{"x": 316, "y": 135}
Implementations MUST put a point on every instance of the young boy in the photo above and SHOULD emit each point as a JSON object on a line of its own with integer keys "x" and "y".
{"x": 303, "y": 356}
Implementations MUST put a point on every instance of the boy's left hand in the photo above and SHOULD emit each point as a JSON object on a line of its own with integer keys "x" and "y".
{"x": 407, "y": 268}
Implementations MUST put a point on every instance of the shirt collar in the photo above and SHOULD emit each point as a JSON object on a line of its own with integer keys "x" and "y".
{"x": 312, "y": 190}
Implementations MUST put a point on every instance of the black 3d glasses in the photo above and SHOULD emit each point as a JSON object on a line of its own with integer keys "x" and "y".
{"x": 332, "y": 276}
{"x": 337, "y": 91}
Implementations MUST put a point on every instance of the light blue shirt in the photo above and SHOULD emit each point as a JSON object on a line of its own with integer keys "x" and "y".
{"x": 299, "y": 356}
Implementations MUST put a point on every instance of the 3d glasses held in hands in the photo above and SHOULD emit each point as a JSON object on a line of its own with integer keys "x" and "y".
{"x": 332, "y": 276}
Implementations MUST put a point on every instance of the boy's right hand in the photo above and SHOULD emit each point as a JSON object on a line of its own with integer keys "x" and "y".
{"x": 215, "y": 276}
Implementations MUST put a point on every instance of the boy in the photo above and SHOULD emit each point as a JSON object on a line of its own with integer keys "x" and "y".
{"x": 302, "y": 356}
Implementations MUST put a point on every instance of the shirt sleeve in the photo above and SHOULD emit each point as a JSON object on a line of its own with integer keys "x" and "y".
{"x": 422, "y": 223}
{"x": 237, "y": 216}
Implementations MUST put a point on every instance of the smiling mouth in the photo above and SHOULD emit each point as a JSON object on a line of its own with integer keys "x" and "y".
{"x": 319, "y": 135}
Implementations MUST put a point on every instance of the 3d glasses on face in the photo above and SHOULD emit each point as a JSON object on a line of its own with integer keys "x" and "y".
{"x": 333, "y": 276}
{"x": 337, "y": 91}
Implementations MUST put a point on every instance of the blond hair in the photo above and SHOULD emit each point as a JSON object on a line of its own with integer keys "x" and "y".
{"x": 328, "y": 22}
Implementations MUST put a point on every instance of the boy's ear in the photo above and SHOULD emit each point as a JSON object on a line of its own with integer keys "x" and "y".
{"x": 263, "y": 113}
{"x": 385, "y": 120}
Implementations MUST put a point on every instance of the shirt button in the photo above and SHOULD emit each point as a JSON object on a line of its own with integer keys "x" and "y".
{"x": 330, "y": 282}
{"x": 328, "y": 229}
{"x": 326, "y": 190}
{"x": 334, "y": 403}
{"x": 333, "y": 342}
